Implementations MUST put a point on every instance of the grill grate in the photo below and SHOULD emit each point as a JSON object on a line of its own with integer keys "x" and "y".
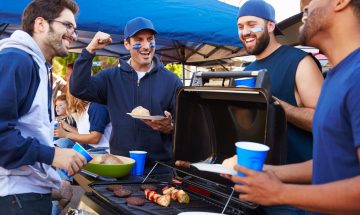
{"x": 213, "y": 198}
{"x": 197, "y": 203}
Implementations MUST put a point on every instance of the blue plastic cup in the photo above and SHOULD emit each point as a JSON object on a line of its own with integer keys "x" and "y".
{"x": 251, "y": 155}
{"x": 77, "y": 147}
{"x": 56, "y": 125}
{"x": 245, "y": 82}
{"x": 139, "y": 157}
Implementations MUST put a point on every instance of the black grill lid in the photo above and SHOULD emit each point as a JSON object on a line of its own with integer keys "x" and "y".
{"x": 209, "y": 120}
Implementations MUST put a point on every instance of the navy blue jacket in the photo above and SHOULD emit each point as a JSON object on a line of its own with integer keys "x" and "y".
{"x": 18, "y": 85}
{"x": 119, "y": 89}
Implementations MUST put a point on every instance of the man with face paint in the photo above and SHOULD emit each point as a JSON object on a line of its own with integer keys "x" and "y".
{"x": 333, "y": 26}
{"x": 140, "y": 81}
{"x": 295, "y": 77}
{"x": 27, "y": 154}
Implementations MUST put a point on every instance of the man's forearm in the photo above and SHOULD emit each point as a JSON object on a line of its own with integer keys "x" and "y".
{"x": 84, "y": 138}
{"x": 299, "y": 116}
{"x": 81, "y": 85}
{"x": 341, "y": 197}
{"x": 299, "y": 173}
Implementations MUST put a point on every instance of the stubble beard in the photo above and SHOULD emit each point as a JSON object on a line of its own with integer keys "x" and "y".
{"x": 261, "y": 44}
{"x": 313, "y": 24}
{"x": 55, "y": 41}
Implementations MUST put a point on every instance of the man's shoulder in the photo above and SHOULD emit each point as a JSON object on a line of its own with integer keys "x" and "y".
{"x": 173, "y": 78}
{"x": 167, "y": 72}
{"x": 16, "y": 54}
{"x": 295, "y": 50}
{"x": 17, "y": 60}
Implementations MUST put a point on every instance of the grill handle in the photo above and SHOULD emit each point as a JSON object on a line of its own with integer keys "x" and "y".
{"x": 262, "y": 78}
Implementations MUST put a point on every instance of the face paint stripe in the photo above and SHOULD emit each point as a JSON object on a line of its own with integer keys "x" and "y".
{"x": 253, "y": 30}
{"x": 137, "y": 46}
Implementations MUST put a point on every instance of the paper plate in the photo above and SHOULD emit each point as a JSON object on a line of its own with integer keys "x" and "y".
{"x": 216, "y": 168}
{"x": 146, "y": 117}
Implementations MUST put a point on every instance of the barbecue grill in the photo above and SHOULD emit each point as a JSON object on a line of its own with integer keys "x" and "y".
{"x": 209, "y": 120}
{"x": 205, "y": 195}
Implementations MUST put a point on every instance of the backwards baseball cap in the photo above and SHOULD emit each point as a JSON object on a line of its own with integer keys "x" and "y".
{"x": 261, "y": 9}
{"x": 137, "y": 24}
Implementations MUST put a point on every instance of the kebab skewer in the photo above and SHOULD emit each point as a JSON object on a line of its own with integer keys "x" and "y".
{"x": 162, "y": 200}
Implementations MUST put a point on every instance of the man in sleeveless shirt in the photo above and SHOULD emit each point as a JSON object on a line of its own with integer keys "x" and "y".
{"x": 333, "y": 26}
{"x": 295, "y": 79}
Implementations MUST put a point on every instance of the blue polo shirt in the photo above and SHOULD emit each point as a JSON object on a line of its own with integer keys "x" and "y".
{"x": 336, "y": 125}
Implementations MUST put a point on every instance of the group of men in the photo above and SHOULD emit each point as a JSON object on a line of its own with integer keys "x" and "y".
{"x": 27, "y": 156}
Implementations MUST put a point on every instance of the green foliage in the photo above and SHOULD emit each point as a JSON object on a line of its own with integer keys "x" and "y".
{"x": 60, "y": 63}
{"x": 105, "y": 63}
{"x": 175, "y": 68}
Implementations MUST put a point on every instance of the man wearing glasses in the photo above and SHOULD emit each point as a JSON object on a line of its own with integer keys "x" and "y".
{"x": 140, "y": 81}
{"x": 27, "y": 155}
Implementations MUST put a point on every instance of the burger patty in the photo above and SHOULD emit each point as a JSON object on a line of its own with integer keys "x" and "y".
{"x": 114, "y": 187}
{"x": 135, "y": 201}
{"x": 122, "y": 193}
{"x": 147, "y": 186}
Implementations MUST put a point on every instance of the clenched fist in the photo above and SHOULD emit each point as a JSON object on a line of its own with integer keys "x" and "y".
{"x": 99, "y": 41}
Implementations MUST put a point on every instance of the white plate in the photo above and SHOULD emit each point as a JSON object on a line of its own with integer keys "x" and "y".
{"x": 146, "y": 117}
{"x": 217, "y": 168}
{"x": 199, "y": 213}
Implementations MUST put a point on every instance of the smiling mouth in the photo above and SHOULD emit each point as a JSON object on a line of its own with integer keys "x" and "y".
{"x": 145, "y": 53}
{"x": 69, "y": 40}
{"x": 249, "y": 40}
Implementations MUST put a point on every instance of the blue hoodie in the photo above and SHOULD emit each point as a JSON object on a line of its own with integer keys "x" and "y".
{"x": 26, "y": 149}
{"x": 119, "y": 89}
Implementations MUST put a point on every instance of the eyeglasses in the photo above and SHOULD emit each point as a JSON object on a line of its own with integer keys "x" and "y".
{"x": 69, "y": 27}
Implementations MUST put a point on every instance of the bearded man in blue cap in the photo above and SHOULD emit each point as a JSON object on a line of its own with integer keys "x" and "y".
{"x": 295, "y": 77}
{"x": 140, "y": 81}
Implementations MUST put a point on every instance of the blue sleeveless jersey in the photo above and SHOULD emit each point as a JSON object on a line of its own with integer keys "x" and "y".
{"x": 281, "y": 66}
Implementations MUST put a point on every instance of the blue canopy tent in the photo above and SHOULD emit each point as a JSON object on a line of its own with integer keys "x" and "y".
{"x": 190, "y": 31}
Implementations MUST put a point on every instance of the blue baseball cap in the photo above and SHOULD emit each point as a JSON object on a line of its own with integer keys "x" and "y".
{"x": 261, "y": 9}
{"x": 137, "y": 24}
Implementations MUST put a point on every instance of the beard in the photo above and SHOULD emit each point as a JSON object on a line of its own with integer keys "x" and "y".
{"x": 261, "y": 43}
{"x": 56, "y": 43}
{"x": 314, "y": 23}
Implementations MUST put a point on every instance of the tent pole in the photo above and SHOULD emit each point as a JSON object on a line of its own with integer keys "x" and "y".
{"x": 4, "y": 29}
{"x": 183, "y": 72}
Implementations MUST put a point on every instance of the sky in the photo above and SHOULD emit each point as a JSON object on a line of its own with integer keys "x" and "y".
{"x": 283, "y": 8}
